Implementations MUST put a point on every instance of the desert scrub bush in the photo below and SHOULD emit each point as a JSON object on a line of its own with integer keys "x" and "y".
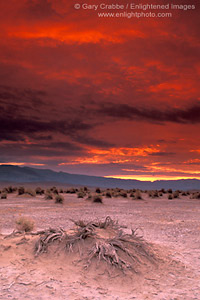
{"x": 137, "y": 195}
{"x": 170, "y": 197}
{"x": 30, "y": 192}
{"x": 21, "y": 190}
{"x": 54, "y": 190}
{"x": 48, "y": 196}
{"x": 25, "y": 224}
{"x": 123, "y": 194}
{"x": 81, "y": 194}
{"x": 153, "y": 194}
{"x": 98, "y": 191}
{"x": 176, "y": 194}
{"x": 59, "y": 199}
{"x": 89, "y": 197}
{"x": 71, "y": 191}
{"x": 39, "y": 191}
{"x": 195, "y": 195}
{"x": 3, "y": 195}
{"x": 97, "y": 199}
{"x": 183, "y": 194}
{"x": 8, "y": 190}
{"x": 108, "y": 194}
{"x": 169, "y": 191}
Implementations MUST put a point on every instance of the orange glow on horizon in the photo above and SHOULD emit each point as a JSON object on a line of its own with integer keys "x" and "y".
{"x": 21, "y": 164}
{"x": 151, "y": 178}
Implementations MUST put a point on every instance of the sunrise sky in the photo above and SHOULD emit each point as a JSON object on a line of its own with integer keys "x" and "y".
{"x": 112, "y": 97}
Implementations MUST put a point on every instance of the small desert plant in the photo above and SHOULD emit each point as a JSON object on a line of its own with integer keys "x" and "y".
{"x": 81, "y": 194}
{"x": 89, "y": 197}
{"x": 54, "y": 190}
{"x": 71, "y": 191}
{"x": 137, "y": 195}
{"x": 169, "y": 191}
{"x": 21, "y": 190}
{"x": 25, "y": 224}
{"x": 195, "y": 195}
{"x": 4, "y": 196}
{"x": 48, "y": 196}
{"x": 59, "y": 199}
{"x": 123, "y": 194}
{"x": 30, "y": 192}
{"x": 170, "y": 197}
{"x": 97, "y": 199}
{"x": 39, "y": 191}
{"x": 98, "y": 191}
{"x": 183, "y": 194}
{"x": 176, "y": 194}
{"x": 108, "y": 194}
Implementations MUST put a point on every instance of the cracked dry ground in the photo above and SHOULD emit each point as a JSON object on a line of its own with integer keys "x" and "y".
{"x": 171, "y": 226}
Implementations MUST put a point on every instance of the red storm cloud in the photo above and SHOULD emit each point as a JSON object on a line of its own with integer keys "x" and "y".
{"x": 102, "y": 96}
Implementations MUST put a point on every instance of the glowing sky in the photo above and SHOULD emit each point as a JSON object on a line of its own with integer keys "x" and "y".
{"x": 100, "y": 96}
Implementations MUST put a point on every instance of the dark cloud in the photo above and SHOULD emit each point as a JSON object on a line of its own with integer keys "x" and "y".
{"x": 162, "y": 154}
{"x": 189, "y": 115}
{"x": 92, "y": 141}
{"x": 27, "y": 127}
{"x": 39, "y": 10}
{"x": 25, "y": 151}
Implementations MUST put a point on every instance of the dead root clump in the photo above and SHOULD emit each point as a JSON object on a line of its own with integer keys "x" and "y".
{"x": 100, "y": 241}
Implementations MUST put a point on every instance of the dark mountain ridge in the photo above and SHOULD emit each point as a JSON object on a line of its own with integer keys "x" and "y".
{"x": 16, "y": 174}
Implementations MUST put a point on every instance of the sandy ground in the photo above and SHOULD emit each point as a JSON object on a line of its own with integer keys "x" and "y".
{"x": 170, "y": 226}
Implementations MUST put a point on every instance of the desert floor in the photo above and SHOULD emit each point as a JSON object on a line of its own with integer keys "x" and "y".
{"x": 170, "y": 226}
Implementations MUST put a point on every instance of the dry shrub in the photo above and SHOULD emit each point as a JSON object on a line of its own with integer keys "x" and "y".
{"x": 195, "y": 195}
{"x": 108, "y": 194}
{"x": 48, "y": 196}
{"x": 59, "y": 199}
{"x": 89, "y": 197}
{"x": 176, "y": 194}
{"x": 153, "y": 194}
{"x": 54, "y": 190}
{"x": 122, "y": 251}
{"x": 80, "y": 194}
{"x": 97, "y": 199}
{"x": 39, "y": 191}
{"x": 4, "y": 195}
{"x": 123, "y": 194}
{"x": 30, "y": 192}
{"x": 137, "y": 195}
{"x": 170, "y": 197}
{"x": 98, "y": 191}
{"x": 25, "y": 224}
{"x": 71, "y": 191}
{"x": 21, "y": 190}
{"x": 183, "y": 194}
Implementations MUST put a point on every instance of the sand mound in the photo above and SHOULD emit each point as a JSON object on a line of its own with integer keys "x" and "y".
{"x": 91, "y": 259}
{"x": 99, "y": 241}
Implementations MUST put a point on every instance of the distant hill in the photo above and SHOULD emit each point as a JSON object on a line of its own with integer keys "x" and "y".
{"x": 15, "y": 174}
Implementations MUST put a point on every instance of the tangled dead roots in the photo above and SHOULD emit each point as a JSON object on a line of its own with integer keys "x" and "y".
{"x": 101, "y": 240}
